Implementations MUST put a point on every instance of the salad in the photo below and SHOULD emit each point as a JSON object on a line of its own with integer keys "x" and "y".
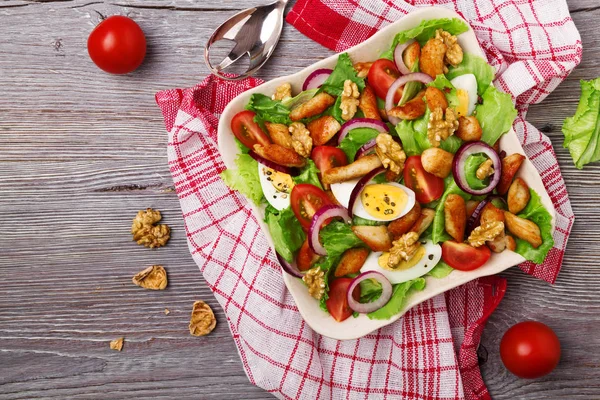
{"x": 380, "y": 173}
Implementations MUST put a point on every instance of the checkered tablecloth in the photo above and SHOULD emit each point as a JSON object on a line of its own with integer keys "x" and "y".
{"x": 430, "y": 353}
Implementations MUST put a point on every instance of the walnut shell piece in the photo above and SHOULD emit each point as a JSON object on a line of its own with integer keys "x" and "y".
{"x": 117, "y": 344}
{"x": 154, "y": 278}
{"x": 202, "y": 321}
{"x": 146, "y": 232}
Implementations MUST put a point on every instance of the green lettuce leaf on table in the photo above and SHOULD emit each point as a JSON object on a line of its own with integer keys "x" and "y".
{"x": 343, "y": 70}
{"x": 336, "y": 238}
{"x": 471, "y": 64}
{"x": 309, "y": 174}
{"x": 425, "y": 31}
{"x": 285, "y": 230}
{"x": 536, "y": 212}
{"x": 397, "y": 302}
{"x": 495, "y": 115}
{"x": 582, "y": 130}
{"x": 269, "y": 110}
{"x": 245, "y": 178}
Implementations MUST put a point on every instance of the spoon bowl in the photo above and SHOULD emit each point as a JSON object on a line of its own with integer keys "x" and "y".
{"x": 254, "y": 31}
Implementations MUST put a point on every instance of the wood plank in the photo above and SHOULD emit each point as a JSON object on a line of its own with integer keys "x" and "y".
{"x": 82, "y": 151}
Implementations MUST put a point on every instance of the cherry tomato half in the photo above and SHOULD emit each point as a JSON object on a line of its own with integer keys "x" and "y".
{"x": 426, "y": 186}
{"x": 530, "y": 349}
{"x": 306, "y": 258}
{"x": 463, "y": 257}
{"x": 337, "y": 303}
{"x": 306, "y": 200}
{"x": 381, "y": 75}
{"x": 247, "y": 131}
{"x": 327, "y": 157}
{"x": 117, "y": 45}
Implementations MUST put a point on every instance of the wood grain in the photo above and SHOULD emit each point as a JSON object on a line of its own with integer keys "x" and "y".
{"x": 81, "y": 151}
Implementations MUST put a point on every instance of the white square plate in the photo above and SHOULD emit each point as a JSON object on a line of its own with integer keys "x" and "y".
{"x": 370, "y": 49}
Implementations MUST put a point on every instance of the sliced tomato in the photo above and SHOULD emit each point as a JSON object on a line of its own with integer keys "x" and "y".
{"x": 247, "y": 131}
{"x": 382, "y": 74}
{"x": 337, "y": 303}
{"x": 327, "y": 157}
{"x": 427, "y": 187}
{"x": 306, "y": 258}
{"x": 463, "y": 257}
{"x": 306, "y": 200}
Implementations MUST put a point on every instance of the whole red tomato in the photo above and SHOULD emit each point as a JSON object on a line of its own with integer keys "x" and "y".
{"x": 117, "y": 45}
{"x": 530, "y": 349}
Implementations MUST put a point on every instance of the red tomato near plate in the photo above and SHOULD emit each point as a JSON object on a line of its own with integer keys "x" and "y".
{"x": 337, "y": 303}
{"x": 247, "y": 131}
{"x": 117, "y": 45}
{"x": 463, "y": 257}
{"x": 381, "y": 75}
{"x": 427, "y": 187}
{"x": 306, "y": 258}
{"x": 306, "y": 200}
{"x": 530, "y": 349}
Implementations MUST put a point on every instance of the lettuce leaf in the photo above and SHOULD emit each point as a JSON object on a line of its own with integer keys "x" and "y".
{"x": 370, "y": 290}
{"x": 285, "y": 230}
{"x": 309, "y": 174}
{"x": 471, "y": 64}
{"x": 398, "y": 300}
{"x": 441, "y": 270}
{"x": 245, "y": 178}
{"x": 343, "y": 70}
{"x": 411, "y": 88}
{"x": 413, "y": 135}
{"x": 496, "y": 115}
{"x": 536, "y": 212}
{"x": 337, "y": 237}
{"x": 438, "y": 233}
{"x": 471, "y": 166}
{"x": 300, "y": 98}
{"x": 355, "y": 139}
{"x": 425, "y": 31}
{"x": 268, "y": 110}
{"x": 582, "y": 130}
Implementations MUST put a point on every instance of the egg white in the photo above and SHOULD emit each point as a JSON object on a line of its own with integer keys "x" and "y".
{"x": 342, "y": 191}
{"x": 468, "y": 83}
{"x": 277, "y": 199}
{"x": 433, "y": 254}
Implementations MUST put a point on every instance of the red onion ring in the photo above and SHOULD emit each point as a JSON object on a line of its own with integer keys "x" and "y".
{"x": 316, "y": 78}
{"x": 365, "y": 149}
{"x": 399, "y": 60}
{"x": 355, "y": 123}
{"x": 385, "y": 296}
{"x": 291, "y": 269}
{"x": 324, "y": 213}
{"x": 360, "y": 185}
{"x": 273, "y": 165}
{"x": 403, "y": 80}
{"x": 458, "y": 166}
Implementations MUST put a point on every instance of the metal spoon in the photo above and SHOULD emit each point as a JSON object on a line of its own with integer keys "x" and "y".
{"x": 254, "y": 31}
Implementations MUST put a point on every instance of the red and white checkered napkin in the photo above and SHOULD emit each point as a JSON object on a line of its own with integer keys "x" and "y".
{"x": 430, "y": 353}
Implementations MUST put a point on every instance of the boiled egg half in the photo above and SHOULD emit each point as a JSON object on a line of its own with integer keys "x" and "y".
{"x": 466, "y": 90}
{"x": 276, "y": 186}
{"x": 424, "y": 260}
{"x": 377, "y": 201}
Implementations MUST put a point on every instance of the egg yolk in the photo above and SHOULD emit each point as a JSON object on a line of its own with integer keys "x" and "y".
{"x": 384, "y": 202}
{"x": 280, "y": 181}
{"x": 463, "y": 102}
{"x": 383, "y": 260}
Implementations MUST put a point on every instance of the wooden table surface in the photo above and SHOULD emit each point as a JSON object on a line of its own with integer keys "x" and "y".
{"x": 82, "y": 151}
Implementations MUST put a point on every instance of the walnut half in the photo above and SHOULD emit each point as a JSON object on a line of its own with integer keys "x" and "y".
{"x": 350, "y": 102}
{"x": 441, "y": 126}
{"x": 403, "y": 248}
{"x": 454, "y": 53}
{"x": 203, "y": 320}
{"x": 301, "y": 140}
{"x": 146, "y": 232}
{"x": 390, "y": 153}
{"x": 154, "y": 277}
{"x": 315, "y": 281}
{"x": 487, "y": 231}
